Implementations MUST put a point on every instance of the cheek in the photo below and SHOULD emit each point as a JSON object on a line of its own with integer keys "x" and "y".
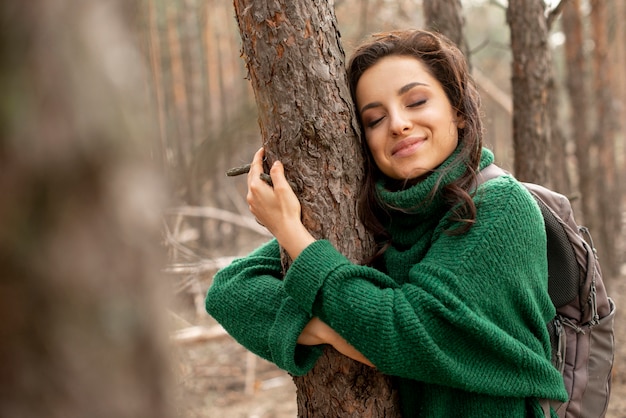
{"x": 375, "y": 146}
{"x": 454, "y": 131}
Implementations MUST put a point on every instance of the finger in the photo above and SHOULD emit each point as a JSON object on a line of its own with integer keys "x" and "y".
{"x": 257, "y": 171}
{"x": 257, "y": 187}
{"x": 256, "y": 168}
{"x": 277, "y": 172}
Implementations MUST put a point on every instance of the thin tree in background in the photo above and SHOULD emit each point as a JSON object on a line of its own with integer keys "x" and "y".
{"x": 530, "y": 77}
{"x": 559, "y": 176}
{"x": 578, "y": 94}
{"x": 618, "y": 14}
{"x": 192, "y": 51}
{"x": 306, "y": 117}
{"x": 604, "y": 137}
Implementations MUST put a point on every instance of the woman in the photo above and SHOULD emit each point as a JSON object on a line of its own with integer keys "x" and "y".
{"x": 455, "y": 303}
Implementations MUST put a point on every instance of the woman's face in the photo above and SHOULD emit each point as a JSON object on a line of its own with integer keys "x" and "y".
{"x": 410, "y": 125}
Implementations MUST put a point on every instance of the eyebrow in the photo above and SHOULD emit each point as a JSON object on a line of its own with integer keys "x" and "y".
{"x": 401, "y": 91}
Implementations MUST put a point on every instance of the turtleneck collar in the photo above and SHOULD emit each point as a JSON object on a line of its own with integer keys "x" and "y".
{"x": 414, "y": 205}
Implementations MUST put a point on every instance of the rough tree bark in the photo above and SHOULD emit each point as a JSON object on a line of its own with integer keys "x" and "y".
{"x": 79, "y": 218}
{"x": 530, "y": 77}
{"x": 296, "y": 66}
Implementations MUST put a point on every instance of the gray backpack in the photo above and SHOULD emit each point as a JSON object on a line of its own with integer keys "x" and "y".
{"x": 582, "y": 330}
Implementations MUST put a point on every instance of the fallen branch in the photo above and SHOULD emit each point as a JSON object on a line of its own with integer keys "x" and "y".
{"x": 197, "y": 334}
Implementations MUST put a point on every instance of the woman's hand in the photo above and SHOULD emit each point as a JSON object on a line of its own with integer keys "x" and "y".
{"x": 277, "y": 208}
{"x": 317, "y": 332}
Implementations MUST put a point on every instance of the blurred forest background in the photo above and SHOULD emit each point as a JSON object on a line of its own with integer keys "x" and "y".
{"x": 118, "y": 122}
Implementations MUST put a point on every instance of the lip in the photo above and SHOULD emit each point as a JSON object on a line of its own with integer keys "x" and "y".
{"x": 407, "y": 147}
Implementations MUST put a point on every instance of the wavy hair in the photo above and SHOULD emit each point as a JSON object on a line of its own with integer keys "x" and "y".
{"x": 448, "y": 65}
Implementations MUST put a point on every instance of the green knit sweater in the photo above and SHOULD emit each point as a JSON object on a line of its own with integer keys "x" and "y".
{"x": 460, "y": 320}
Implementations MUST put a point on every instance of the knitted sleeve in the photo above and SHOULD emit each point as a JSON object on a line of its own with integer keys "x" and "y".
{"x": 249, "y": 300}
{"x": 472, "y": 313}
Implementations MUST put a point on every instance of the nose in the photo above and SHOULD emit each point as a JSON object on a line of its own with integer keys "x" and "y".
{"x": 399, "y": 123}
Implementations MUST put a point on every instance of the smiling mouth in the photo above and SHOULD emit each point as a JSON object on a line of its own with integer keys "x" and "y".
{"x": 406, "y": 147}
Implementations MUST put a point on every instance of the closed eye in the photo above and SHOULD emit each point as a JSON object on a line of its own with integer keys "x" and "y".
{"x": 374, "y": 122}
{"x": 418, "y": 103}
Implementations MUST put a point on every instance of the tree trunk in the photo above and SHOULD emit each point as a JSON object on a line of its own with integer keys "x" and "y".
{"x": 530, "y": 76}
{"x": 191, "y": 43}
{"x": 604, "y": 138}
{"x": 296, "y": 65}
{"x": 578, "y": 92}
{"x": 558, "y": 173}
{"x": 446, "y": 17}
{"x": 79, "y": 218}
{"x": 619, "y": 54}
{"x": 153, "y": 46}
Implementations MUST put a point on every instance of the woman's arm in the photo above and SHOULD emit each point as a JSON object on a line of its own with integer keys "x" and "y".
{"x": 317, "y": 332}
{"x": 253, "y": 279}
{"x": 278, "y": 209}
{"x": 470, "y": 311}
{"x": 248, "y": 299}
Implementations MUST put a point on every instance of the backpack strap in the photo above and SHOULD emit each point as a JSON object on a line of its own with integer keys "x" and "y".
{"x": 545, "y": 406}
{"x": 492, "y": 171}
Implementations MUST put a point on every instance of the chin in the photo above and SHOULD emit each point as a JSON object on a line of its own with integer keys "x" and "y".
{"x": 417, "y": 174}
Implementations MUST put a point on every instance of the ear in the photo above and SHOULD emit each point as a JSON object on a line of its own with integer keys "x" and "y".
{"x": 460, "y": 121}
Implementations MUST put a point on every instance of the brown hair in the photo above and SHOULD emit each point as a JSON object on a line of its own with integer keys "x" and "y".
{"x": 447, "y": 64}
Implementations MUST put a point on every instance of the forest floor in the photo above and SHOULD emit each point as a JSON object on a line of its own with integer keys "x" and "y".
{"x": 211, "y": 375}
